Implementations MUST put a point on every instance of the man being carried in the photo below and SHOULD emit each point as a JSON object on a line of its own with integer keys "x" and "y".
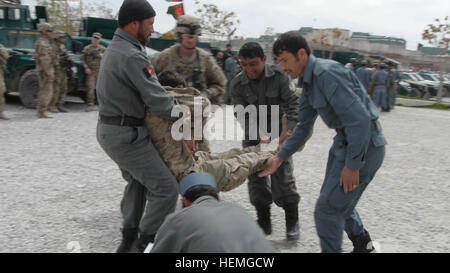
{"x": 230, "y": 169}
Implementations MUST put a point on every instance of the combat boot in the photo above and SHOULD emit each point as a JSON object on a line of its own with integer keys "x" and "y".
{"x": 264, "y": 221}
{"x": 141, "y": 244}
{"x": 44, "y": 115}
{"x": 53, "y": 109}
{"x": 129, "y": 236}
{"x": 292, "y": 223}
{"x": 62, "y": 109}
{"x": 363, "y": 243}
{"x": 2, "y": 116}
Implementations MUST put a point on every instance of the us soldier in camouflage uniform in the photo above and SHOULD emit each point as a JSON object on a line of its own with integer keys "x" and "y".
{"x": 230, "y": 169}
{"x": 90, "y": 59}
{"x": 4, "y": 55}
{"x": 63, "y": 62}
{"x": 45, "y": 65}
{"x": 197, "y": 66}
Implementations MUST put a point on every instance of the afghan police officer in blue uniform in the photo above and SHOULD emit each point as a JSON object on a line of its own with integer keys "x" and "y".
{"x": 334, "y": 93}
{"x": 126, "y": 87}
{"x": 364, "y": 74}
{"x": 352, "y": 65}
{"x": 208, "y": 225}
{"x": 263, "y": 84}
{"x": 380, "y": 83}
{"x": 392, "y": 85}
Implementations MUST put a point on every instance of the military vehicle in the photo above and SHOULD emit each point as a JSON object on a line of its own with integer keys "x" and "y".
{"x": 18, "y": 33}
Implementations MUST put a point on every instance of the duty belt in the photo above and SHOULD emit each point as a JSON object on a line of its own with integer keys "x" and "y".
{"x": 122, "y": 121}
{"x": 373, "y": 127}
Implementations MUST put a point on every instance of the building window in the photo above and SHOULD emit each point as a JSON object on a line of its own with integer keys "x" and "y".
{"x": 14, "y": 14}
{"x": 2, "y": 14}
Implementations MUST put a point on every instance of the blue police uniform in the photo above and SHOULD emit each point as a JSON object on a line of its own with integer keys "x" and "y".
{"x": 335, "y": 93}
{"x": 364, "y": 76}
{"x": 380, "y": 83}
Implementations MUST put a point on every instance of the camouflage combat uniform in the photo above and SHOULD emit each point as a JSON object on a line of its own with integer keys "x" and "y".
{"x": 230, "y": 169}
{"x": 210, "y": 78}
{"x": 45, "y": 65}
{"x": 62, "y": 63}
{"x": 91, "y": 58}
{"x": 4, "y": 55}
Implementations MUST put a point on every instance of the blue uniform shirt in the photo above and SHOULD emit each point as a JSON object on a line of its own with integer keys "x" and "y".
{"x": 335, "y": 93}
{"x": 364, "y": 76}
{"x": 381, "y": 77}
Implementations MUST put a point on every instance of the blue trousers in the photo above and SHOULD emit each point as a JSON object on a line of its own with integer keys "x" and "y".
{"x": 380, "y": 96}
{"x": 335, "y": 211}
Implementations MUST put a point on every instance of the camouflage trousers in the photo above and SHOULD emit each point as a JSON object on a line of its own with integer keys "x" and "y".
{"x": 91, "y": 83}
{"x": 2, "y": 91}
{"x": 59, "y": 89}
{"x": 45, "y": 92}
{"x": 231, "y": 169}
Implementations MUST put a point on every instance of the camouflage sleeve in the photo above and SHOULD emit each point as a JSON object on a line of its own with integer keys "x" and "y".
{"x": 44, "y": 58}
{"x": 162, "y": 62}
{"x": 3, "y": 53}
{"x": 215, "y": 78}
{"x": 83, "y": 58}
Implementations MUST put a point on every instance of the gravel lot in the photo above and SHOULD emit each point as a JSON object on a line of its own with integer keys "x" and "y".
{"x": 59, "y": 189}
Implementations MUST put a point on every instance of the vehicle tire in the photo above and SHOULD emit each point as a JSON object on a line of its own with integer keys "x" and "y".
{"x": 415, "y": 93}
{"x": 29, "y": 88}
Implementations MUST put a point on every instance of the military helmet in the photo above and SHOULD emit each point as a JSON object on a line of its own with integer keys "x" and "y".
{"x": 97, "y": 35}
{"x": 364, "y": 62}
{"x": 189, "y": 25}
{"x": 58, "y": 34}
{"x": 42, "y": 27}
{"x": 353, "y": 60}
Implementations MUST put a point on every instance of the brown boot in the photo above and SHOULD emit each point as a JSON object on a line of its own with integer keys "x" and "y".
{"x": 44, "y": 115}
{"x": 62, "y": 109}
{"x": 53, "y": 109}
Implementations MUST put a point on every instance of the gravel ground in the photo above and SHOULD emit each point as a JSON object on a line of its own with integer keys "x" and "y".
{"x": 60, "y": 190}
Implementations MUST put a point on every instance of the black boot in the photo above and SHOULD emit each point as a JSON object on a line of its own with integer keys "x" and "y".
{"x": 362, "y": 243}
{"x": 292, "y": 224}
{"x": 264, "y": 219}
{"x": 129, "y": 235}
{"x": 141, "y": 244}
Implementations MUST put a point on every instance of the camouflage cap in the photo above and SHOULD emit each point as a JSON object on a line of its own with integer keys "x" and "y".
{"x": 97, "y": 35}
{"x": 58, "y": 34}
{"x": 189, "y": 25}
{"x": 42, "y": 27}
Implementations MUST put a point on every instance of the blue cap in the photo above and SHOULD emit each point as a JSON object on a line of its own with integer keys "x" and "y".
{"x": 196, "y": 179}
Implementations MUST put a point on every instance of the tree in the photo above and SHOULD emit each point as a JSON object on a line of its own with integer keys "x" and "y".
{"x": 331, "y": 40}
{"x": 439, "y": 36}
{"x": 65, "y": 15}
{"x": 217, "y": 24}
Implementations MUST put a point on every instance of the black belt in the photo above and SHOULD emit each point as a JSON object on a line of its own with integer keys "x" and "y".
{"x": 122, "y": 121}
{"x": 373, "y": 127}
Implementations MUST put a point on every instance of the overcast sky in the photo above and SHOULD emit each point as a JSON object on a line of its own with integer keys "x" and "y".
{"x": 399, "y": 18}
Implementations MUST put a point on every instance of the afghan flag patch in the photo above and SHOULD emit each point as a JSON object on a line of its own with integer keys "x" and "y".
{"x": 148, "y": 71}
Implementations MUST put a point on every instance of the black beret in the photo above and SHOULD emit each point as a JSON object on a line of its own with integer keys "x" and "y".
{"x": 135, "y": 10}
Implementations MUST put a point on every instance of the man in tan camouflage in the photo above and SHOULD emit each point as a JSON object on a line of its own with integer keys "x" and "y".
{"x": 62, "y": 63}
{"x": 91, "y": 58}
{"x": 197, "y": 66}
{"x": 230, "y": 169}
{"x": 45, "y": 66}
{"x": 4, "y": 55}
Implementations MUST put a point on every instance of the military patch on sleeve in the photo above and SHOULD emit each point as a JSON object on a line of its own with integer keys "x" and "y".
{"x": 148, "y": 71}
